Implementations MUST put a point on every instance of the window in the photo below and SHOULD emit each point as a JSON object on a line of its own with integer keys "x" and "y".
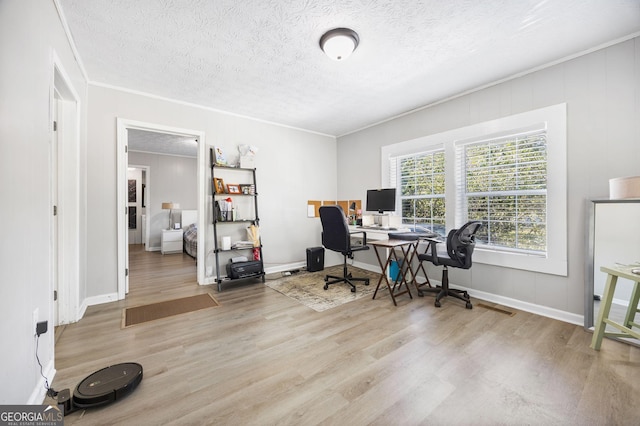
{"x": 504, "y": 185}
{"x": 421, "y": 181}
{"x": 509, "y": 173}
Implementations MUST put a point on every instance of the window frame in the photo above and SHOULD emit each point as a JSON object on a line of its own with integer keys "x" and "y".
{"x": 553, "y": 120}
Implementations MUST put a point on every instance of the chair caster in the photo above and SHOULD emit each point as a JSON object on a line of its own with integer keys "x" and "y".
{"x": 469, "y": 305}
{"x": 326, "y": 279}
{"x": 353, "y": 290}
{"x": 420, "y": 293}
{"x": 366, "y": 282}
{"x": 326, "y": 287}
{"x": 438, "y": 304}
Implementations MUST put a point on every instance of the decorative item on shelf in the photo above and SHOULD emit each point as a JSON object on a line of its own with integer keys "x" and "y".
{"x": 226, "y": 243}
{"x": 218, "y": 212}
{"x": 248, "y": 189}
{"x": 233, "y": 188}
{"x": 227, "y": 209}
{"x": 219, "y": 158}
{"x": 253, "y": 233}
{"x": 247, "y": 156}
{"x": 245, "y": 189}
{"x": 218, "y": 185}
{"x": 170, "y": 206}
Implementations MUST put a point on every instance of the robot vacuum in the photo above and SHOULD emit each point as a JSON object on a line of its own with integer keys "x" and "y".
{"x": 102, "y": 387}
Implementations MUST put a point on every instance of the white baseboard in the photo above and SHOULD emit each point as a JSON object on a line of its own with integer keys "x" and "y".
{"x": 505, "y": 301}
{"x": 283, "y": 268}
{"x": 39, "y": 393}
{"x": 544, "y": 311}
{"x": 98, "y": 300}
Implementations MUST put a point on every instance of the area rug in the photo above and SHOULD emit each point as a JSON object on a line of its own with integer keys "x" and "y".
{"x": 154, "y": 311}
{"x": 308, "y": 287}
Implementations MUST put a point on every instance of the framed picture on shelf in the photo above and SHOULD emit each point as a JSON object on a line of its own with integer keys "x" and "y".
{"x": 218, "y": 185}
{"x": 247, "y": 189}
{"x": 233, "y": 188}
{"x": 220, "y": 158}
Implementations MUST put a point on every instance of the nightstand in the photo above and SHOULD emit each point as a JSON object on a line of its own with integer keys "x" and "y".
{"x": 171, "y": 241}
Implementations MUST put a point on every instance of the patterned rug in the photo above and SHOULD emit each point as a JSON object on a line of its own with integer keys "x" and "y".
{"x": 308, "y": 287}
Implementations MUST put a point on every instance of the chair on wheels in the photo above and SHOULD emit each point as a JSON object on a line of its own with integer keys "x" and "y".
{"x": 460, "y": 245}
{"x": 337, "y": 237}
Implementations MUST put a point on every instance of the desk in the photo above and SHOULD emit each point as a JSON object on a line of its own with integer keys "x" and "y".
{"x": 376, "y": 233}
{"x": 626, "y": 328}
{"x": 408, "y": 249}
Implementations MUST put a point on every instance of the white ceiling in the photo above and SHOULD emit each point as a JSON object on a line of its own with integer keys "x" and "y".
{"x": 161, "y": 143}
{"x": 261, "y": 58}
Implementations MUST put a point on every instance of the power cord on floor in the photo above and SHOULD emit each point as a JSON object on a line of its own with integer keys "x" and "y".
{"x": 51, "y": 393}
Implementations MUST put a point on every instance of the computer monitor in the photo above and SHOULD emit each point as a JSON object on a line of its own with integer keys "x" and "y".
{"x": 381, "y": 200}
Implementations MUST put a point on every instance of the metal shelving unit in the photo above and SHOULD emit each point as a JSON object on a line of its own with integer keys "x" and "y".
{"x": 225, "y": 221}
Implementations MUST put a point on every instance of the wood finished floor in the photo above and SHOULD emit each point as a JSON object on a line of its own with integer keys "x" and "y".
{"x": 263, "y": 359}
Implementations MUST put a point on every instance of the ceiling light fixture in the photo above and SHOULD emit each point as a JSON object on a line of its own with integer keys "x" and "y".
{"x": 339, "y": 43}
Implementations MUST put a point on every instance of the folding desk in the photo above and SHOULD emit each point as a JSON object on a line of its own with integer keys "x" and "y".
{"x": 407, "y": 249}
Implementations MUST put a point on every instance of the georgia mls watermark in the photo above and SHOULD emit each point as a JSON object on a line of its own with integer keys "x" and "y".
{"x": 31, "y": 415}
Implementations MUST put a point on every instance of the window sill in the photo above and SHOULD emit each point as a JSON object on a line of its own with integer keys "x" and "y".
{"x": 527, "y": 262}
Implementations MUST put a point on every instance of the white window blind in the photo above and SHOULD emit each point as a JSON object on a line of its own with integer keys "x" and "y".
{"x": 503, "y": 183}
{"x": 420, "y": 179}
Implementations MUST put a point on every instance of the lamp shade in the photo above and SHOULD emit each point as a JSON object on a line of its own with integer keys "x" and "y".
{"x": 339, "y": 43}
{"x": 170, "y": 206}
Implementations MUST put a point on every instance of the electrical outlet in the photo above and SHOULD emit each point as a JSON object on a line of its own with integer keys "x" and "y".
{"x": 41, "y": 327}
{"x": 34, "y": 325}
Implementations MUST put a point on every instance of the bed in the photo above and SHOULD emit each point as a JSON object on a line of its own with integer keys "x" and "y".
{"x": 190, "y": 234}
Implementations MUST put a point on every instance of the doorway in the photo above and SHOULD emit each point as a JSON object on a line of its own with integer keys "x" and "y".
{"x": 123, "y": 128}
{"x": 138, "y": 177}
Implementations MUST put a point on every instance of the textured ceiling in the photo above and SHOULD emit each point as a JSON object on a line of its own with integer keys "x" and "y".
{"x": 161, "y": 143}
{"x": 261, "y": 58}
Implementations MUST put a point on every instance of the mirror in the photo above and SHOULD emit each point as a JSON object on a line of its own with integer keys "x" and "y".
{"x": 614, "y": 238}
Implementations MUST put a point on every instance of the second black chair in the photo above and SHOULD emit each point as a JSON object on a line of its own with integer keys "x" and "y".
{"x": 337, "y": 237}
{"x": 460, "y": 245}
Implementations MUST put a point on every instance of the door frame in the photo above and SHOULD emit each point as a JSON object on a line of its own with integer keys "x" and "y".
{"x": 65, "y": 109}
{"x": 123, "y": 125}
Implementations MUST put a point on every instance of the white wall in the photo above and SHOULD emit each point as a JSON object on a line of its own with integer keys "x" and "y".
{"x": 29, "y": 33}
{"x": 292, "y": 166}
{"x": 602, "y": 92}
{"x": 172, "y": 178}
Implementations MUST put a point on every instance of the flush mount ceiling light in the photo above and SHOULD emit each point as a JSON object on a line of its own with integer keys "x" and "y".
{"x": 339, "y": 43}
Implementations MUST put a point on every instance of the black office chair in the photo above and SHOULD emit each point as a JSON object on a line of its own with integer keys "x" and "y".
{"x": 336, "y": 237}
{"x": 460, "y": 245}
